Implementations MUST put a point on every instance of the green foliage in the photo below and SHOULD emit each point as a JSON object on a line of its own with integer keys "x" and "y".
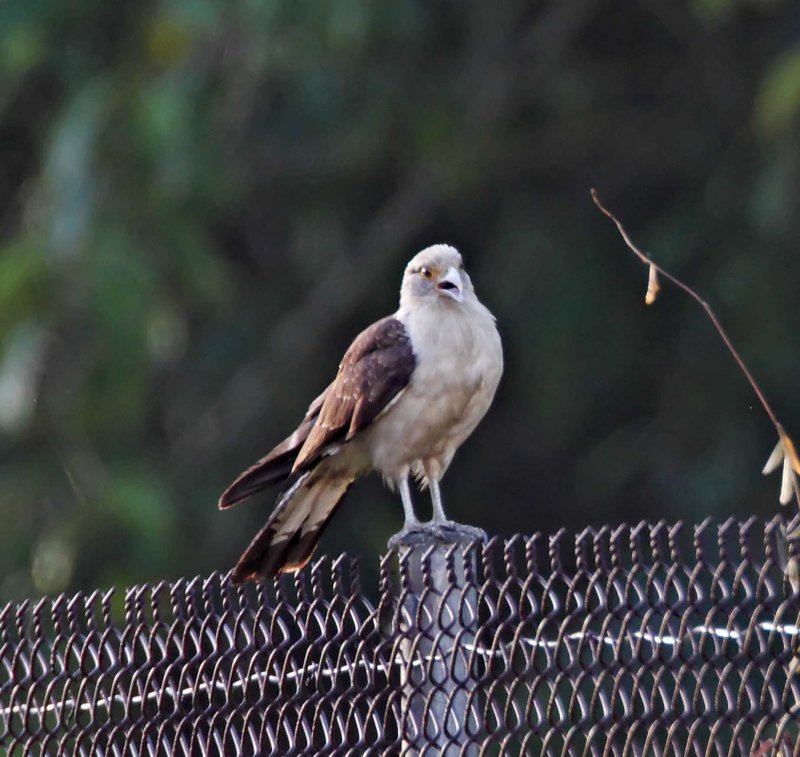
{"x": 778, "y": 102}
{"x": 202, "y": 201}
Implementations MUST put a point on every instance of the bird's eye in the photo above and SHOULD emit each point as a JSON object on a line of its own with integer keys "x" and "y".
{"x": 460, "y": 266}
{"x": 425, "y": 272}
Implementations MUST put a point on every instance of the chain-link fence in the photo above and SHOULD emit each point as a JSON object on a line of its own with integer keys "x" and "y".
{"x": 653, "y": 639}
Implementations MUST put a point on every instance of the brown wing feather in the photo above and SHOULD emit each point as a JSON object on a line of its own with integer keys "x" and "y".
{"x": 376, "y": 368}
{"x": 276, "y": 465}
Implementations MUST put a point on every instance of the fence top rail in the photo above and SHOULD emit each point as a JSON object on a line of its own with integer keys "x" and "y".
{"x": 598, "y": 551}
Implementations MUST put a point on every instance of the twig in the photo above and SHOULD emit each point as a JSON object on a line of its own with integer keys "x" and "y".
{"x": 785, "y": 451}
{"x": 695, "y": 296}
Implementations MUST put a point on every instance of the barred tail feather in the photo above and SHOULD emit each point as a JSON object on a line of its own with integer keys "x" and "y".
{"x": 288, "y": 539}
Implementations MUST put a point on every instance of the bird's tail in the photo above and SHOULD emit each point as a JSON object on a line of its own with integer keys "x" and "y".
{"x": 290, "y": 536}
{"x": 276, "y": 466}
{"x": 269, "y": 470}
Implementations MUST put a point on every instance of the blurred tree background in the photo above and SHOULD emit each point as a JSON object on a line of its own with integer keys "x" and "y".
{"x": 201, "y": 203}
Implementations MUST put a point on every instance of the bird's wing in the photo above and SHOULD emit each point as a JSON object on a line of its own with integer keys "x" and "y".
{"x": 372, "y": 374}
{"x": 277, "y": 464}
{"x": 375, "y": 369}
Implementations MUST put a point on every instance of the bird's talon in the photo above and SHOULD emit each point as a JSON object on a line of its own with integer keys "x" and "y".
{"x": 412, "y": 535}
{"x": 448, "y": 529}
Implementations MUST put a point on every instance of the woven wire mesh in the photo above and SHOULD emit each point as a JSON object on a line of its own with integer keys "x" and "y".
{"x": 653, "y": 639}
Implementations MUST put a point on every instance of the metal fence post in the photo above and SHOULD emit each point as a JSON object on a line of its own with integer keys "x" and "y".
{"x": 437, "y": 624}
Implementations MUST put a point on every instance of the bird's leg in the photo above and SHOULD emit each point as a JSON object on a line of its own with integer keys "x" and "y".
{"x": 413, "y": 531}
{"x": 436, "y": 499}
{"x": 411, "y": 521}
{"x": 447, "y": 528}
{"x": 439, "y": 529}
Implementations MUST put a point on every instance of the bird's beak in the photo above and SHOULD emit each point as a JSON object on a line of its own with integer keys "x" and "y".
{"x": 450, "y": 284}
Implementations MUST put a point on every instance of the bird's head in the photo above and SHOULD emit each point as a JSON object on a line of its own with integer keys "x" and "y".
{"x": 436, "y": 275}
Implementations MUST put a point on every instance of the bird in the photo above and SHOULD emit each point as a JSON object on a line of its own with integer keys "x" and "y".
{"x": 409, "y": 391}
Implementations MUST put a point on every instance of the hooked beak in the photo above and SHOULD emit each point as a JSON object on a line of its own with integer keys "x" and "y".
{"x": 450, "y": 284}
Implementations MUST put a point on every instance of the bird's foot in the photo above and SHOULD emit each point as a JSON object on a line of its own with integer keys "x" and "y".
{"x": 436, "y": 531}
{"x": 412, "y": 535}
{"x": 450, "y": 531}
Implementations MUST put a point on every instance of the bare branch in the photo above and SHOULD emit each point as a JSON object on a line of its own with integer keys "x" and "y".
{"x": 695, "y": 296}
{"x": 785, "y": 451}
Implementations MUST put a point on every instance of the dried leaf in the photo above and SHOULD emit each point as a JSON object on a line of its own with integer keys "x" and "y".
{"x": 775, "y": 459}
{"x": 793, "y": 574}
{"x": 787, "y": 485}
{"x": 791, "y": 453}
{"x": 652, "y": 286}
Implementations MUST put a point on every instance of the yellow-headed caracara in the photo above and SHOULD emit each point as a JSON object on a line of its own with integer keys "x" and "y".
{"x": 409, "y": 390}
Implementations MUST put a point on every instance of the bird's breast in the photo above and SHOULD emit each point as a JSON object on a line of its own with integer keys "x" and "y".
{"x": 458, "y": 366}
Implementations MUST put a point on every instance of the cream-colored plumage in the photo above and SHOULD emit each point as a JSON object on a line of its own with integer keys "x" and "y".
{"x": 409, "y": 391}
{"x": 459, "y": 362}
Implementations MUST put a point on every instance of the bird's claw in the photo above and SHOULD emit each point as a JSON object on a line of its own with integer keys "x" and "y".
{"x": 442, "y": 531}
{"x": 412, "y": 535}
{"x": 450, "y": 531}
